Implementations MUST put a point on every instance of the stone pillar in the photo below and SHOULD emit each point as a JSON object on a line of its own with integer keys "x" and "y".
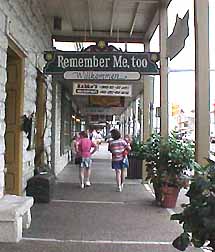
{"x": 163, "y": 34}
{"x": 2, "y": 127}
{"x": 202, "y": 75}
{"x": 58, "y": 161}
{"x": 131, "y": 124}
{"x": 3, "y": 80}
{"x": 54, "y": 126}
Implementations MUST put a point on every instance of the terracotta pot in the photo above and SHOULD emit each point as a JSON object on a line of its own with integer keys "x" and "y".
{"x": 169, "y": 196}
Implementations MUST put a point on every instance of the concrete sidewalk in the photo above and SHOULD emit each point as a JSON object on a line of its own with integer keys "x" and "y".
{"x": 98, "y": 218}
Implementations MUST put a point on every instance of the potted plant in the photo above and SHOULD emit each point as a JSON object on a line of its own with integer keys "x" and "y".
{"x": 168, "y": 162}
{"x": 198, "y": 216}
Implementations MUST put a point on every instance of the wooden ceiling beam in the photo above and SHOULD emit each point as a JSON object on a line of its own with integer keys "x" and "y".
{"x": 134, "y": 18}
{"x": 114, "y": 6}
{"x": 141, "y": 1}
{"x": 82, "y": 36}
{"x": 155, "y": 21}
{"x": 67, "y": 15}
{"x": 90, "y": 17}
{"x": 152, "y": 27}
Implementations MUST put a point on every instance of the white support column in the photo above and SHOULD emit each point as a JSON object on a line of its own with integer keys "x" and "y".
{"x": 130, "y": 111}
{"x": 141, "y": 118}
{"x": 202, "y": 76}
{"x": 127, "y": 121}
{"x": 163, "y": 34}
{"x": 147, "y": 92}
{"x": 134, "y": 117}
{"x": 151, "y": 105}
{"x": 136, "y": 128}
{"x": 122, "y": 124}
{"x": 146, "y": 101}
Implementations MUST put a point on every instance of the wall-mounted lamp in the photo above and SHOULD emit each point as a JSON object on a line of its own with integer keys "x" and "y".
{"x": 28, "y": 126}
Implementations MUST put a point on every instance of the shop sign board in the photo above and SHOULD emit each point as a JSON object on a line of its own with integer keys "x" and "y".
{"x": 100, "y": 89}
{"x": 101, "y": 75}
{"x": 100, "y": 110}
{"x": 101, "y": 65}
{"x": 100, "y": 118}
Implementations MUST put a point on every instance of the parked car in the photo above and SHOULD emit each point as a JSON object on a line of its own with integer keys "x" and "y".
{"x": 108, "y": 138}
{"x": 189, "y": 137}
{"x": 212, "y": 137}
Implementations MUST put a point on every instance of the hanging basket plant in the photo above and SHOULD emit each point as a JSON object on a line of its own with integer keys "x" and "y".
{"x": 198, "y": 216}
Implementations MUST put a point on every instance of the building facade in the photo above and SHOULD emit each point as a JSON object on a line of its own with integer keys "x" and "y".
{"x": 26, "y": 96}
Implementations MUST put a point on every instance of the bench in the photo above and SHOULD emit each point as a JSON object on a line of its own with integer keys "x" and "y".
{"x": 15, "y": 215}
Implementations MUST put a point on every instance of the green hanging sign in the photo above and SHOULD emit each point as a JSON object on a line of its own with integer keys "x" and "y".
{"x": 100, "y": 65}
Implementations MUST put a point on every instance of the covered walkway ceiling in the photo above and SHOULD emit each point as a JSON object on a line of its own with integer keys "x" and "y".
{"x": 132, "y": 21}
{"x": 111, "y": 20}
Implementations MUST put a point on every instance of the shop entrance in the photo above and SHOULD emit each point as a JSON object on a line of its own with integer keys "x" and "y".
{"x": 13, "y": 114}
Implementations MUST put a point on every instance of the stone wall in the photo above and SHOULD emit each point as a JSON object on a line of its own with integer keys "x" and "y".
{"x": 22, "y": 22}
{"x": 58, "y": 161}
{"x": 3, "y": 79}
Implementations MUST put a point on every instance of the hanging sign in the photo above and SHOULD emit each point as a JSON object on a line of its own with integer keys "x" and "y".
{"x": 102, "y": 89}
{"x": 176, "y": 41}
{"x": 100, "y": 65}
{"x": 100, "y": 118}
{"x": 100, "y": 110}
{"x": 96, "y": 75}
{"x": 106, "y": 101}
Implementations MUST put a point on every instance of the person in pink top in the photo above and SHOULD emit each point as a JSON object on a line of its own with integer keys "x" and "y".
{"x": 86, "y": 148}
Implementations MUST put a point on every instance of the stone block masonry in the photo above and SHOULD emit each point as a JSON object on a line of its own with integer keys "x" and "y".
{"x": 23, "y": 23}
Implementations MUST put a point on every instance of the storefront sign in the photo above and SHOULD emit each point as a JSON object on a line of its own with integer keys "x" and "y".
{"x": 100, "y": 110}
{"x": 107, "y": 101}
{"x": 99, "y": 65}
{"x": 100, "y": 118}
{"x": 96, "y": 75}
{"x": 101, "y": 89}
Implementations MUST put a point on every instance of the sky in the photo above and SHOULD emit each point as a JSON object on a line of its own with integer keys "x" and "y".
{"x": 181, "y": 84}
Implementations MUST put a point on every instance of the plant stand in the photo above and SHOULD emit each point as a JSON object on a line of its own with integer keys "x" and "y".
{"x": 169, "y": 196}
{"x": 41, "y": 187}
{"x": 135, "y": 167}
{"x": 158, "y": 193}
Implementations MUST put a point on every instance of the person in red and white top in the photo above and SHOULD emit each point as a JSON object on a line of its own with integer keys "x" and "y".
{"x": 117, "y": 147}
{"x": 85, "y": 148}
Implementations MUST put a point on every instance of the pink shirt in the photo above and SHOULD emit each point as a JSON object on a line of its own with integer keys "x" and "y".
{"x": 84, "y": 147}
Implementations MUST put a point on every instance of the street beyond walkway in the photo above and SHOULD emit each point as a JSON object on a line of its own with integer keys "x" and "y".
{"x": 97, "y": 218}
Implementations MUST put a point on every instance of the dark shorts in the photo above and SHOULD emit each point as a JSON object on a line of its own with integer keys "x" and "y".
{"x": 86, "y": 163}
{"x": 78, "y": 160}
{"x": 117, "y": 165}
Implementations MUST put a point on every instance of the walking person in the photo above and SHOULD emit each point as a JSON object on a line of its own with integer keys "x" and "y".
{"x": 86, "y": 148}
{"x": 74, "y": 149}
{"x": 117, "y": 147}
{"x": 127, "y": 150}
